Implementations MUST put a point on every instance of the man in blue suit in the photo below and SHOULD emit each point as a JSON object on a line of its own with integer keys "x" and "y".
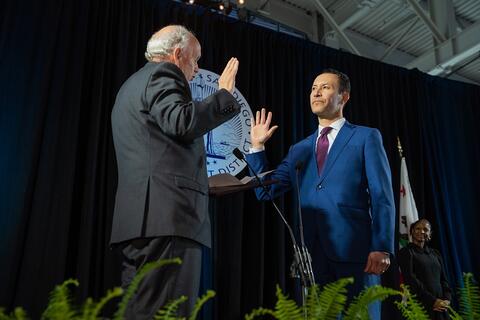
{"x": 345, "y": 187}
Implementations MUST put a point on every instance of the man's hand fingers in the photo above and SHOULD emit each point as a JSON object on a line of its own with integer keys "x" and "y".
{"x": 377, "y": 263}
{"x": 262, "y": 119}
{"x": 229, "y": 66}
{"x": 440, "y": 309}
{"x": 271, "y": 131}
{"x": 227, "y": 79}
{"x": 232, "y": 67}
{"x": 269, "y": 119}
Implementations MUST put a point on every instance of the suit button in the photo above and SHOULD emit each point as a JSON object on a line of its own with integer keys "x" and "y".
{"x": 319, "y": 187}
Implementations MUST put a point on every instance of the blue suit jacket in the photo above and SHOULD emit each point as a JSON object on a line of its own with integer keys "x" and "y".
{"x": 349, "y": 209}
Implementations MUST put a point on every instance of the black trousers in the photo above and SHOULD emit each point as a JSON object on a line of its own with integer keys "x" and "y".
{"x": 166, "y": 283}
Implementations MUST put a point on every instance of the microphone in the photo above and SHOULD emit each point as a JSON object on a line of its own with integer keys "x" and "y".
{"x": 237, "y": 153}
{"x": 299, "y": 256}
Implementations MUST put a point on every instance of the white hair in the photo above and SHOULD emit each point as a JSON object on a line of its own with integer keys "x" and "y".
{"x": 163, "y": 43}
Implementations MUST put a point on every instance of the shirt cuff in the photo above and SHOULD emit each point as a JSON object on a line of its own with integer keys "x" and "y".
{"x": 255, "y": 150}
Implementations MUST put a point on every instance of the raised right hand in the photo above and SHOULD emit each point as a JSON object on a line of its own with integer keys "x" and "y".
{"x": 227, "y": 79}
{"x": 260, "y": 130}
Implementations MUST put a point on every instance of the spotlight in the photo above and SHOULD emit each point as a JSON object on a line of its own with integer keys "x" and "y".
{"x": 221, "y": 7}
{"x": 191, "y": 1}
{"x": 241, "y": 2}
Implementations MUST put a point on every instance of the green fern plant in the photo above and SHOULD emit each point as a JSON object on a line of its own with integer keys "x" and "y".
{"x": 325, "y": 304}
{"x": 453, "y": 314}
{"x": 330, "y": 302}
{"x": 469, "y": 298}
{"x": 60, "y": 303}
{"x": 169, "y": 312}
{"x": 358, "y": 308}
{"x": 285, "y": 309}
{"x": 122, "y": 306}
{"x": 259, "y": 312}
{"x": 17, "y": 314}
{"x": 91, "y": 310}
{"x": 200, "y": 302}
{"x": 411, "y": 309}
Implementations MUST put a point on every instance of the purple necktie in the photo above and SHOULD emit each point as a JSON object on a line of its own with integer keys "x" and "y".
{"x": 322, "y": 148}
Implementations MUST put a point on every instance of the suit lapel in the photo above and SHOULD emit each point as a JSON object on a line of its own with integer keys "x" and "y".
{"x": 340, "y": 142}
{"x": 313, "y": 144}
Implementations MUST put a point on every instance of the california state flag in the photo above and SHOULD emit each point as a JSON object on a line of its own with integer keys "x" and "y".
{"x": 408, "y": 209}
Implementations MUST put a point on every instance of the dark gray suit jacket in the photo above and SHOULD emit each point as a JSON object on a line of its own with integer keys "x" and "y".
{"x": 158, "y": 137}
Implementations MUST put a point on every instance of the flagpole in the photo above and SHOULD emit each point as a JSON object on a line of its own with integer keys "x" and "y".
{"x": 407, "y": 208}
{"x": 399, "y": 146}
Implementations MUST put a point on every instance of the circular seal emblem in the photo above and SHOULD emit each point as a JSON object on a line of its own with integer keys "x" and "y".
{"x": 235, "y": 133}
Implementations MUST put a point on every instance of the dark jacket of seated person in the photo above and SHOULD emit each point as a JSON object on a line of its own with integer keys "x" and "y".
{"x": 423, "y": 271}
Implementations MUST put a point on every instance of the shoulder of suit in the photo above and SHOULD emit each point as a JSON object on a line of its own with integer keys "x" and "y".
{"x": 303, "y": 145}
{"x": 358, "y": 127}
{"x": 164, "y": 66}
{"x": 165, "y": 70}
{"x": 362, "y": 130}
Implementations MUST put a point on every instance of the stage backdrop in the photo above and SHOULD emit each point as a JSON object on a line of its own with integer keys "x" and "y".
{"x": 61, "y": 64}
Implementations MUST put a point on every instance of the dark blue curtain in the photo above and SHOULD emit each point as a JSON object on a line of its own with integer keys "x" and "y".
{"x": 450, "y": 117}
{"x": 61, "y": 64}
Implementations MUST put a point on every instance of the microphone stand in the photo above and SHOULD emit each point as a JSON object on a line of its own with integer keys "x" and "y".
{"x": 302, "y": 265}
{"x": 307, "y": 267}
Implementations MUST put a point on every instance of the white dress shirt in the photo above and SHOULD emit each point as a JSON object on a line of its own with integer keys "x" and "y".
{"x": 336, "y": 126}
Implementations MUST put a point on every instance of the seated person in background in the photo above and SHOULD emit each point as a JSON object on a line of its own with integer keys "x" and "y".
{"x": 423, "y": 271}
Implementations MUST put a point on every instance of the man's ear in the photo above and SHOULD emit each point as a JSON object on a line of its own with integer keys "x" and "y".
{"x": 176, "y": 54}
{"x": 345, "y": 96}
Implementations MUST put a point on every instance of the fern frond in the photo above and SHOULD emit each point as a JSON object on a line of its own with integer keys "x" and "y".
{"x": 410, "y": 308}
{"x": 453, "y": 314}
{"x": 358, "y": 309}
{"x": 17, "y": 314}
{"x": 469, "y": 298}
{"x": 259, "y": 312}
{"x": 96, "y": 308}
{"x": 87, "y": 309}
{"x": 59, "y": 305}
{"x": 3, "y": 315}
{"x": 122, "y": 306}
{"x": 331, "y": 301}
{"x": 169, "y": 312}
{"x": 200, "y": 302}
{"x": 20, "y": 314}
{"x": 312, "y": 303}
{"x": 286, "y": 309}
